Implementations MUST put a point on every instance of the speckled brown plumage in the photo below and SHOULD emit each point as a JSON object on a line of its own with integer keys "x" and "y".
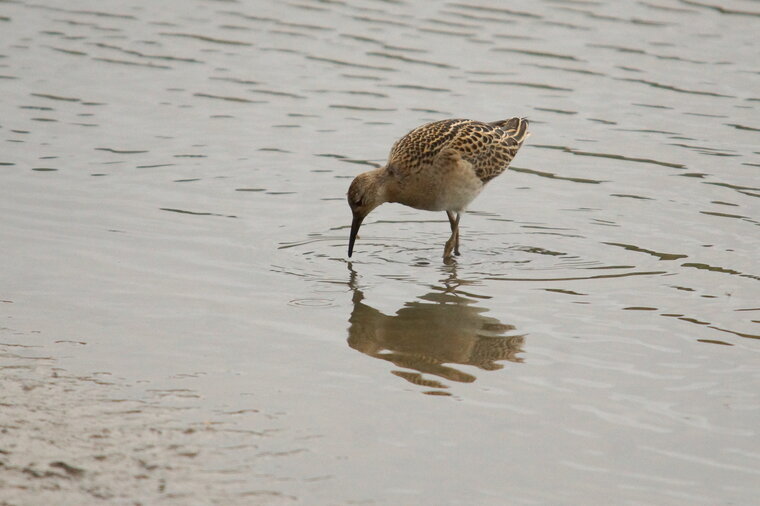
{"x": 489, "y": 147}
{"x": 440, "y": 166}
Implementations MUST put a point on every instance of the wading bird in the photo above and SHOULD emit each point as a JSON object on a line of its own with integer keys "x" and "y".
{"x": 440, "y": 166}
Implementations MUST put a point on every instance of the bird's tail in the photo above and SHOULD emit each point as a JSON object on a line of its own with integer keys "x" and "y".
{"x": 517, "y": 128}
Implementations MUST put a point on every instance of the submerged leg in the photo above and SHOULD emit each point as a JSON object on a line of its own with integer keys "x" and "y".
{"x": 448, "y": 248}
{"x": 454, "y": 222}
{"x": 453, "y": 242}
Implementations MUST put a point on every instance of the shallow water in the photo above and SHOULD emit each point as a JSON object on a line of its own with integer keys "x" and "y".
{"x": 172, "y": 184}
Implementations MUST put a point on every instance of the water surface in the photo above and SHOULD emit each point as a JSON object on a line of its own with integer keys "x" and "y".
{"x": 172, "y": 185}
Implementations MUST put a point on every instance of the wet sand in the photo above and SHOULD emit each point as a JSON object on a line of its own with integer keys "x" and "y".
{"x": 72, "y": 440}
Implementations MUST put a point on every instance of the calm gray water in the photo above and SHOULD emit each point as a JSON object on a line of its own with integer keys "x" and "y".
{"x": 172, "y": 182}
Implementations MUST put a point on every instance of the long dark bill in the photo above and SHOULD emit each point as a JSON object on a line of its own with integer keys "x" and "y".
{"x": 354, "y": 230}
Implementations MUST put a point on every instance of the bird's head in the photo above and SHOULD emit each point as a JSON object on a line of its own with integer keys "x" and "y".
{"x": 364, "y": 194}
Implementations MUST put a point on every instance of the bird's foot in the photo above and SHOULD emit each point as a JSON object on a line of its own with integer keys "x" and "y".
{"x": 449, "y": 247}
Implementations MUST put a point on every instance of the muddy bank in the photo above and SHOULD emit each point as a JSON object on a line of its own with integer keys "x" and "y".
{"x": 75, "y": 440}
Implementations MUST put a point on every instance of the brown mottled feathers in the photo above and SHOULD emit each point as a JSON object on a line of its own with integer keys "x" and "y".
{"x": 489, "y": 147}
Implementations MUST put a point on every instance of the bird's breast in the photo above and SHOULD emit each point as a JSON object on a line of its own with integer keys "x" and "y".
{"x": 436, "y": 189}
{"x": 458, "y": 195}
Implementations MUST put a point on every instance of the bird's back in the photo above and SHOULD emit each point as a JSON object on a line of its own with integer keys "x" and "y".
{"x": 489, "y": 147}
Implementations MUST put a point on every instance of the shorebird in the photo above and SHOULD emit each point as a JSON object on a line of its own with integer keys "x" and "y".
{"x": 439, "y": 166}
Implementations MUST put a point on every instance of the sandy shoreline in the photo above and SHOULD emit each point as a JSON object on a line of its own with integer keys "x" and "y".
{"x": 71, "y": 440}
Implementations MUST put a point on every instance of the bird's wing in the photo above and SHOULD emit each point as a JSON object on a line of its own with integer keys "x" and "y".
{"x": 488, "y": 146}
{"x": 516, "y": 128}
{"x": 420, "y": 147}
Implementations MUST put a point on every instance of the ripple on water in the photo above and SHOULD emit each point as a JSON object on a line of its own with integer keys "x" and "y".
{"x": 312, "y": 302}
{"x": 485, "y": 256}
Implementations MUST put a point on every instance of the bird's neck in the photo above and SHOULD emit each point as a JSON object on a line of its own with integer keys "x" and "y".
{"x": 380, "y": 185}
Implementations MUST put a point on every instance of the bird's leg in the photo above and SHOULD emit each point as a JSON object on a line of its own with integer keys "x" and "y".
{"x": 454, "y": 222}
{"x": 448, "y": 247}
{"x": 450, "y": 243}
{"x": 453, "y": 243}
{"x": 456, "y": 243}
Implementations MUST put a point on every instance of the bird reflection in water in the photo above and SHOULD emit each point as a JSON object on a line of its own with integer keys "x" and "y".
{"x": 431, "y": 334}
